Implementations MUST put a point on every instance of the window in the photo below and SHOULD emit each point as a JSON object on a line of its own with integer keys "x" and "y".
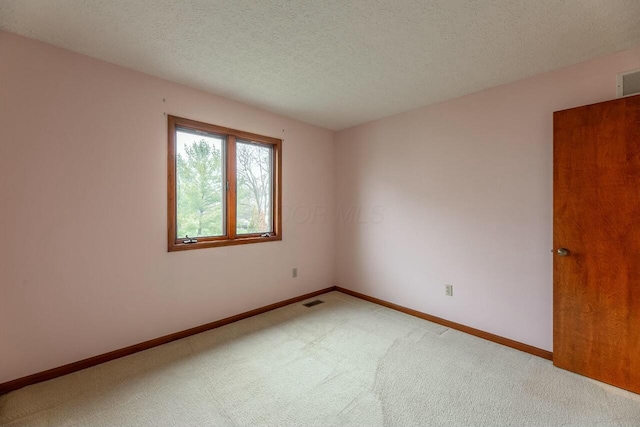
{"x": 223, "y": 186}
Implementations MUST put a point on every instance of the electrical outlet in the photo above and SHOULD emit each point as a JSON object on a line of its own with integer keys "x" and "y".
{"x": 294, "y": 273}
{"x": 448, "y": 290}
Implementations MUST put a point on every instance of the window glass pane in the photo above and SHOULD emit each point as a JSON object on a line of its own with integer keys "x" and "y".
{"x": 199, "y": 184}
{"x": 255, "y": 187}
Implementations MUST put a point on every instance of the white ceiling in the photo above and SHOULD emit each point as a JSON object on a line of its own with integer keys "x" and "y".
{"x": 333, "y": 63}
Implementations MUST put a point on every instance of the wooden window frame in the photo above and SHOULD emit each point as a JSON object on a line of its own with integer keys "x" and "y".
{"x": 231, "y": 237}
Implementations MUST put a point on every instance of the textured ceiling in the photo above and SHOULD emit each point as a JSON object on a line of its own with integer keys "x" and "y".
{"x": 333, "y": 63}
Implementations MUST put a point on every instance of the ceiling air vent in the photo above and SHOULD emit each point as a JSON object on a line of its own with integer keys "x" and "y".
{"x": 628, "y": 83}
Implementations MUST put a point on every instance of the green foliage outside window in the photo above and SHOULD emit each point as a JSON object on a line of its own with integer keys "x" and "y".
{"x": 199, "y": 190}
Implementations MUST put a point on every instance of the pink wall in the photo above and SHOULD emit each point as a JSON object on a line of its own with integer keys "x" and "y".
{"x": 465, "y": 188}
{"x": 84, "y": 264}
{"x": 458, "y": 192}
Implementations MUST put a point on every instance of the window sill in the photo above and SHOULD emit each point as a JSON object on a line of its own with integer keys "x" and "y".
{"x": 175, "y": 247}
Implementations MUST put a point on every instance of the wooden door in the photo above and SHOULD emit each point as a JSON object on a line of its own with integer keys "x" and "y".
{"x": 596, "y": 218}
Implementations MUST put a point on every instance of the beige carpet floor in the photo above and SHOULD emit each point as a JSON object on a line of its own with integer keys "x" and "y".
{"x": 345, "y": 362}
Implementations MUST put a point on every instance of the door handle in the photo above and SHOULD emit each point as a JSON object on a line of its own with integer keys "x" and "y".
{"x": 563, "y": 252}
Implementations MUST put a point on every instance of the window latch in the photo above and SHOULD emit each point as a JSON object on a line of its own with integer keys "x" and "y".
{"x": 265, "y": 235}
{"x": 189, "y": 240}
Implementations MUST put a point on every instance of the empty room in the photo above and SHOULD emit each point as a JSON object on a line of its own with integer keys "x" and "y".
{"x": 320, "y": 213}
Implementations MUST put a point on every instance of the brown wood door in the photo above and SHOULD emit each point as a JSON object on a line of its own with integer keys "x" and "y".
{"x": 596, "y": 217}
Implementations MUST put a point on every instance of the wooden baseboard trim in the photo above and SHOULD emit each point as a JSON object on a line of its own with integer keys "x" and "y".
{"x": 96, "y": 360}
{"x": 453, "y": 325}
